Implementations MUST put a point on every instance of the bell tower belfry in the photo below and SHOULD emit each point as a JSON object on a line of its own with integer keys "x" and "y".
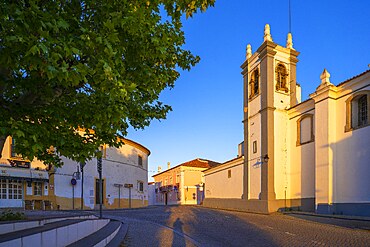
{"x": 269, "y": 89}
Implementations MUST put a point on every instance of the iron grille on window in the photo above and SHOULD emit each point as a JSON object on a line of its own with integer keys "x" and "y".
{"x": 362, "y": 110}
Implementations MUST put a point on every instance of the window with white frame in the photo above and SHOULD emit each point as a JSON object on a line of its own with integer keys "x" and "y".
{"x": 14, "y": 189}
{"x": 37, "y": 188}
{"x": 140, "y": 186}
{"x": 358, "y": 110}
{"x": 11, "y": 189}
{"x": 3, "y": 189}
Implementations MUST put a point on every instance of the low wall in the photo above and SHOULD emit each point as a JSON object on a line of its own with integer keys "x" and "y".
{"x": 357, "y": 209}
{"x": 261, "y": 206}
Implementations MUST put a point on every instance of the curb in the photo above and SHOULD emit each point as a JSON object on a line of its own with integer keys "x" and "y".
{"x": 342, "y": 217}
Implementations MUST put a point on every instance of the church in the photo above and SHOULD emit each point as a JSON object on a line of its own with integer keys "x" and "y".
{"x": 309, "y": 156}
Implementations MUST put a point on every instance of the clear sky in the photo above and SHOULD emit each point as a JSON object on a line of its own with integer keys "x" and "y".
{"x": 207, "y": 102}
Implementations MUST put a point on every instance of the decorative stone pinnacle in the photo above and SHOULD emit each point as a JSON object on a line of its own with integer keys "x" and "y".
{"x": 289, "y": 41}
{"x": 249, "y": 51}
{"x": 325, "y": 78}
{"x": 267, "y": 33}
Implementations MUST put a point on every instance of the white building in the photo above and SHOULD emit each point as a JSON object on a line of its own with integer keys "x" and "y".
{"x": 312, "y": 155}
{"x": 40, "y": 189}
{"x": 225, "y": 180}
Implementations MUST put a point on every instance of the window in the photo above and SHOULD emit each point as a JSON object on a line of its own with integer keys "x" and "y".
{"x": 140, "y": 186}
{"x": 37, "y": 188}
{"x": 254, "y": 84}
{"x": 255, "y": 147}
{"x": 305, "y": 132}
{"x": 229, "y": 173}
{"x": 358, "y": 111}
{"x": 171, "y": 181}
{"x": 140, "y": 160}
{"x": 15, "y": 189}
{"x": 99, "y": 192}
{"x": 10, "y": 189}
{"x": 3, "y": 189}
{"x": 178, "y": 178}
{"x": 362, "y": 110}
{"x": 281, "y": 78}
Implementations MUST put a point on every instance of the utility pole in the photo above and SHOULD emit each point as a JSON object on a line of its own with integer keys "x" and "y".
{"x": 82, "y": 164}
{"x": 99, "y": 166}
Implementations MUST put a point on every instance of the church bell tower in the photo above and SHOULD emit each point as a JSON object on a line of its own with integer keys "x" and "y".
{"x": 270, "y": 88}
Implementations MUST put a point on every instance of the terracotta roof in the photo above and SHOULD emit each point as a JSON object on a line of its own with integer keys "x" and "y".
{"x": 199, "y": 163}
{"x": 363, "y": 73}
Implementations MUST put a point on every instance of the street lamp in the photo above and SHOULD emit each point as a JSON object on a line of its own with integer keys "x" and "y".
{"x": 82, "y": 164}
{"x": 75, "y": 177}
{"x": 99, "y": 167}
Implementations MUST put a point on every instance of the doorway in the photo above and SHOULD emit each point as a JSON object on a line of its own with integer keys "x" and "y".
{"x": 97, "y": 191}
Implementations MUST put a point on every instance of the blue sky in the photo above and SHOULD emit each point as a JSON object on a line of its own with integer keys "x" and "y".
{"x": 207, "y": 102}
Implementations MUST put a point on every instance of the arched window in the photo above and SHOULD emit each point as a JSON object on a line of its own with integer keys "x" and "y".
{"x": 358, "y": 111}
{"x": 362, "y": 110}
{"x": 305, "y": 133}
{"x": 281, "y": 78}
{"x": 254, "y": 84}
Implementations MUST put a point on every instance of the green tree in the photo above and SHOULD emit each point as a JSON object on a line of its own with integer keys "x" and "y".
{"x": 90, "y": 64}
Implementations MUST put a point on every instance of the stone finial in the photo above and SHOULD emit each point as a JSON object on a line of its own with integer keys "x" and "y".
{"x": 289, "y": 41}
{"x": 267, "y": 35}
{"x": 325, "y": 78}
{"x": 249, "y": 51}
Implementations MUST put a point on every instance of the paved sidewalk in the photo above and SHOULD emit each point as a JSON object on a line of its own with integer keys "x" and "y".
{"x": 348, "y": 221}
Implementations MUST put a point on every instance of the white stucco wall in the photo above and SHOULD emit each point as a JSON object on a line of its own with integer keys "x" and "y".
{"x": 301, "y": 168}
{"x": 120, "y": 166}
{"x": 254, "y": 159}
{"x": 352, "y": 156}
{"x": 219, "y": 185}
{"x": 281, "y": 101}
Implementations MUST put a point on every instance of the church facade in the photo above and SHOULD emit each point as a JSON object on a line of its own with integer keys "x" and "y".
{"x": 310, "y": 156}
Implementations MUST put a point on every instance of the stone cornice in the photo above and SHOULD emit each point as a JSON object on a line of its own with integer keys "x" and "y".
{"x": 266, "y": 49}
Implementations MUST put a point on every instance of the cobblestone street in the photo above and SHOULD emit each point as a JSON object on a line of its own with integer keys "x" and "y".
{"x": 197, "y": 226}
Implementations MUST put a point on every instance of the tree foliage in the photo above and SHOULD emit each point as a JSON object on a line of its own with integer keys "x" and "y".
{"x": 90, "y": 64}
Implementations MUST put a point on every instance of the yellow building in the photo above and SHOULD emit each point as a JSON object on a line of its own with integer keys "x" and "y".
{"x": 182, "y": 184}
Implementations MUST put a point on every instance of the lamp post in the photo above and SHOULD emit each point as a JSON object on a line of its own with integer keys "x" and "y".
{"x": 82, "y": 164}
{"x": 75, "y": 177}
{"x": 99, "y": 167}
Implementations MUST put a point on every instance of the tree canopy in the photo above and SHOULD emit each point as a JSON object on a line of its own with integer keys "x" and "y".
{"x": 91, "y": 65}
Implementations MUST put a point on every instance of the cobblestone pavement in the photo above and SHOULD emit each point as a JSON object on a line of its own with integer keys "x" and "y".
{"x": 197, "y": 226}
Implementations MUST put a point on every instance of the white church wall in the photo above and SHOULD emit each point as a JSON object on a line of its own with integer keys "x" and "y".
{"x": 281, "y": 102}
{"x": 351, "y": 173}
{"x": 280, "y": 153}
{"x": 301, "y": 172}
{"x": 254, "y": 163}
{"x": 231, "y": 175}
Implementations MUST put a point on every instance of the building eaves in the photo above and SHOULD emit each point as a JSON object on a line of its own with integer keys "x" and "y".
{"x": 354, "y": 77}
